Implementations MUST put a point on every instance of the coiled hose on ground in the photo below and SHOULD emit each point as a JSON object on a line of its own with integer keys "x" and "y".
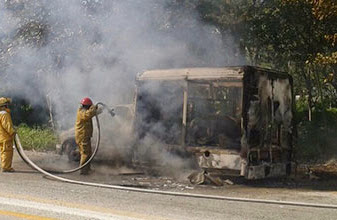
{"x": 167, "y": 193}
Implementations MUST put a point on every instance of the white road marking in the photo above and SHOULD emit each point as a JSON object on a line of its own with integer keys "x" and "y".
{"x": 62, "y": 209}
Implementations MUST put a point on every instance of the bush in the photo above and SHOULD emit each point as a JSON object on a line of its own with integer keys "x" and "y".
{"x": 23, "y": 112}
{"x": 37, "y": 138}
{"x": 316, "y": 139}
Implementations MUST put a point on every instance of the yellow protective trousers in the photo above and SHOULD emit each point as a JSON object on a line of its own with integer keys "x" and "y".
{"x": 85, "y": 151}
{"x": 6, "y": 149}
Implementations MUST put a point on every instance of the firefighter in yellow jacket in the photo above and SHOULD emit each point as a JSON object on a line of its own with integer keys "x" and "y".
{"x": 7, "y": 133}
{"x": 84, "y": 129}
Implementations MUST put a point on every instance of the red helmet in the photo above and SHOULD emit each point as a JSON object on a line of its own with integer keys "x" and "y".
{"x": 86, "y": 101}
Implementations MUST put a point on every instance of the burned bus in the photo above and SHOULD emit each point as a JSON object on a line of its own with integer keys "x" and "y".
{"x": 232, "y": 119}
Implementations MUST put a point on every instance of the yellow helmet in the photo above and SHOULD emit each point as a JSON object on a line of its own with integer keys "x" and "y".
{"x": 4, "y": 101}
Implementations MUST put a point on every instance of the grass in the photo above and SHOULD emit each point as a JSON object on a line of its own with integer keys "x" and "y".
{"x": 37, "y": 138}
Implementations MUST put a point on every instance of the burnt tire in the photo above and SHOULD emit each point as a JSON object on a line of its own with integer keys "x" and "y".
{"x": 71, "y": 149}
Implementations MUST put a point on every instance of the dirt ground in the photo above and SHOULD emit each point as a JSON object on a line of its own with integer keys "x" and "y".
{"x": 315, "y": 183}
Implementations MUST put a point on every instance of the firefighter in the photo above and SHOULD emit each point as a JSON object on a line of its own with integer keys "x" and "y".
{"x": 7, "y": 133}
{"x": 84, "y": 129}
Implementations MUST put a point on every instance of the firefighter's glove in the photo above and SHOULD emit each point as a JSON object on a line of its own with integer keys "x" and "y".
{"x": 99, "y": 110}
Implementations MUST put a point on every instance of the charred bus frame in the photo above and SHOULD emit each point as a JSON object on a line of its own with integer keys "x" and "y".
{"x": 233, "y": 119}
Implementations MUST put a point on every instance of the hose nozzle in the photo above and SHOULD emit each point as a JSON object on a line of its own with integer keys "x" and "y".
{"x": 111, "y": 111}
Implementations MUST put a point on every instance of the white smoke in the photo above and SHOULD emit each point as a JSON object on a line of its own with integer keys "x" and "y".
{"x": 95, "y": 48}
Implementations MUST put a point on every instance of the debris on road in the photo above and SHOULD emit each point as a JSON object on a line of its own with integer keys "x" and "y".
{"x": 228, "y": 182}
{"x": 203, "y": 177}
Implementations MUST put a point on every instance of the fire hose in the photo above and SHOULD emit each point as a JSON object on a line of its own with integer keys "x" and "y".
{"x": 98, "y": 130}
{"x": 160, "y": 192}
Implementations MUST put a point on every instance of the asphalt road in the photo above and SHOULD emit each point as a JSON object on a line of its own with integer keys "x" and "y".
{"x": 28, "y": 195}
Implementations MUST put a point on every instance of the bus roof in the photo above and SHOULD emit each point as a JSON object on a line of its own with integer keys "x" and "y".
{"x": 193, "y": 74}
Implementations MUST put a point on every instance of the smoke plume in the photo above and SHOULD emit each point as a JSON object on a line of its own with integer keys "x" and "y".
{"x": 64, "y": 50}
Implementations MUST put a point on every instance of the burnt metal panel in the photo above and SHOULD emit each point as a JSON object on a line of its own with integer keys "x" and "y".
{"x": 267, "y": 118}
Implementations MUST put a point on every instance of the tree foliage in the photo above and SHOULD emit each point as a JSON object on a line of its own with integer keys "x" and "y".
{"x": 297, "y": 36}
{"x": 324, "y": 11}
